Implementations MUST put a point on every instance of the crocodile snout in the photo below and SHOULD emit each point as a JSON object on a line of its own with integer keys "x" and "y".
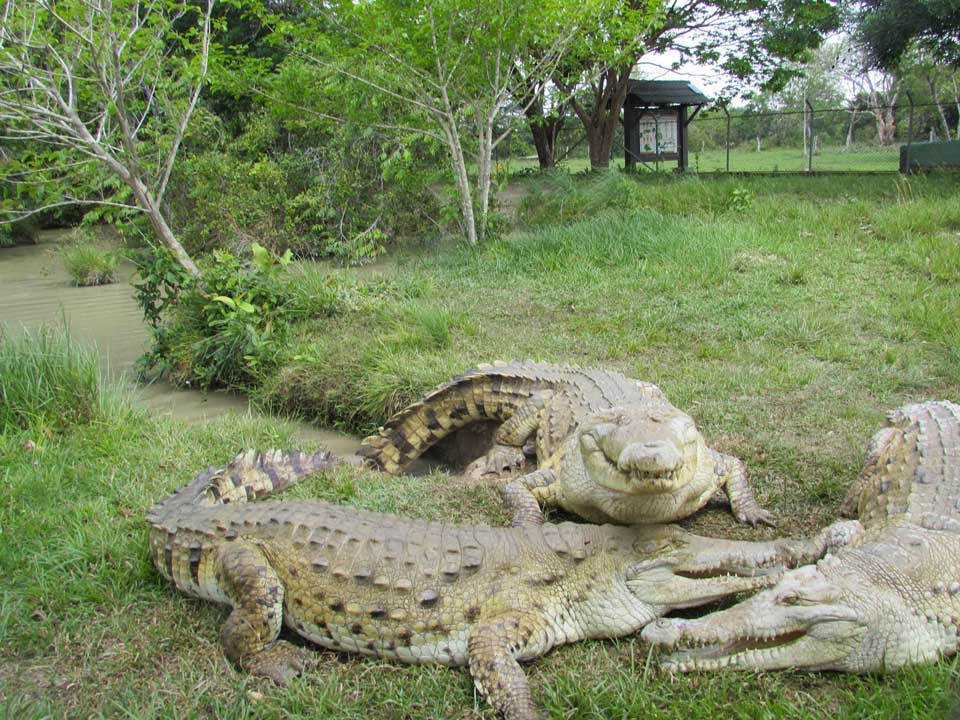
{"x": 650, "y": 457}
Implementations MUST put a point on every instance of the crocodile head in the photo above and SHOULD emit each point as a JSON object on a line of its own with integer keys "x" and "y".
{"x": 828, "y": 616}
{"x": 642, "y": 449}
{"x": 677, "y": 569}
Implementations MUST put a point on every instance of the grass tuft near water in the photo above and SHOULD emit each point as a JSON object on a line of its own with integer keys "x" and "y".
{"x": 88, "y": 264}
{"x": 48, "y": 380}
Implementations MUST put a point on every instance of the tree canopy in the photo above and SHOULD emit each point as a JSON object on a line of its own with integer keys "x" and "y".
{"x": 889, "y": 28}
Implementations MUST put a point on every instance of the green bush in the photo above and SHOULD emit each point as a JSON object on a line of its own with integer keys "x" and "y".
{"x": 48, "y": 380}
{"x": 223, "y": 329}
{"x": 88, "y": 264}
{"x": 345, "y": 195}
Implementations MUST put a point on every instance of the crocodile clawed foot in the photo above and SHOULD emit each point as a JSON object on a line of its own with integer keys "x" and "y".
{"x": 756, "y": 515}
{"x": 500, "y": 461}
{"x": 281, "y": 662}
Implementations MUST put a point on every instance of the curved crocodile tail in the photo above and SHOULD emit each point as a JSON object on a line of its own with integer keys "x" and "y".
{"x": 249, "y": 476}
{"x": 912, "y": 469}
{"x": 490, "y": 392}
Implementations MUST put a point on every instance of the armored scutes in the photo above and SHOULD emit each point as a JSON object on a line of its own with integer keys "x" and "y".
{"x": 420, "y": 591}
{"x": 889, "y": 601}
{"x": 609, "y": 448}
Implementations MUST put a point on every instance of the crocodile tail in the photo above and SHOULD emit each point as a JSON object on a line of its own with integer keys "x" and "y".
{"x": 490, "y": 392}
{"x": 249, "y": 476}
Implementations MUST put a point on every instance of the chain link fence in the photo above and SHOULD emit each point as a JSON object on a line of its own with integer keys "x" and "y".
{"x": 814, "y": 139}
{"x": 852, "y": 139}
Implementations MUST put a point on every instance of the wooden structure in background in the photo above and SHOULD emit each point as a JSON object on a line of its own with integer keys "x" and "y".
{"x": 655, "y": 120}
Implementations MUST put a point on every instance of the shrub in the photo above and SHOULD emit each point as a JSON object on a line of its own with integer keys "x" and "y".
{"x": 88, "y": 264}
{"x": 224, "y": 328}
{"x": 345, "y": 194}
{"x": 48, "y": 380}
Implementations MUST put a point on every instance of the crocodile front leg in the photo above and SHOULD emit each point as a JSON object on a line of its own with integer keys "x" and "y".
{"x": 507, "y": 451}
{"x": 250, "y": 633}
{"x": 493, "y": 649}
{"x": 744, "y": 505}
{"x": 524, "y": 495}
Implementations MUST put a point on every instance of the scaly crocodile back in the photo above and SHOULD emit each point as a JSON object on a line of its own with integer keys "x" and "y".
{"x": 250, "y": 475}
{"x": 495, "y": 392}
{"x": 912, "y": 469}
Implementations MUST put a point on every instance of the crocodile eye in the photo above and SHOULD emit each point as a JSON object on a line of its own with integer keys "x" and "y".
{"x": 789, "y": 597}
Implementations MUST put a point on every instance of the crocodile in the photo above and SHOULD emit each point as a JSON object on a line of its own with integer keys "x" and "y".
{"x": 609, "y": 448}
{"x": 888, "y": 601}
{"x": 419, "y": 591}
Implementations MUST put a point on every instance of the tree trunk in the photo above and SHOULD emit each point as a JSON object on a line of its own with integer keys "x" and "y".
{"x": 932, "y": 83}
{"x": 886, "y": 125}
{"x": 543, "y": 127}
{"x": 484, "y": 170}
{"x": 601, "y": 119}
{"x": 154, "y": 215}
{"x": 853, "y": 122}
{"x": 545, "y": 131}
{"x": 463, "y": 179}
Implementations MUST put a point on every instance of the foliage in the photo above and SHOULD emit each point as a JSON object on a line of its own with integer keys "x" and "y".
{"x": 95, "y": 97}
{"x": 48, "y": 380}
{"x": 890, "y": 27}
{"x": 294, "y": 179}
{"x": 450, "y": 66}
{"x": 740, "y": 199}
{"x": 225, "y": 327}
{"x": 88, "y": 264}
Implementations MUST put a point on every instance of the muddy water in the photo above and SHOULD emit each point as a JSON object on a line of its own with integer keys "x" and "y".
{"x": 35, "y": 289}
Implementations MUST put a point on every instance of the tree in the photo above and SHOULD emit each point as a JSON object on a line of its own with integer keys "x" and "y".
{"x": 888, "y": 29}
{"x": 452, "y": 63}
{"x": 94, "y": 86}
{"x": 751, "y": 40}
{"x": 874, "y": 91}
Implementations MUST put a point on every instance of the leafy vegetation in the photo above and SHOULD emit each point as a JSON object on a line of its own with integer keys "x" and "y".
{"x": 224, "y": 327}
{"x": 49, "y": 382}
{"x": 87, "y": 263}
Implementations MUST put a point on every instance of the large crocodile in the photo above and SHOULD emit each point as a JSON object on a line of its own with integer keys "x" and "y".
{"x": 420, "y": 591}
{"x": 890, "y": 601}
{"x": 609, "y": 448}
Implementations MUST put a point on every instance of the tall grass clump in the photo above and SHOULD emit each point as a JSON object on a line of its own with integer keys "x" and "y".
{"x": 89, "y": 265}
{"x": 49, "y": 380}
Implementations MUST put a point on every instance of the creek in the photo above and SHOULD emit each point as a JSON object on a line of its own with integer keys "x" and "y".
{"x": 35, "y": 289}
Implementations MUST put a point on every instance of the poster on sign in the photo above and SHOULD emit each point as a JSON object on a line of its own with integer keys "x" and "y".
{"x": 664, "y": 124}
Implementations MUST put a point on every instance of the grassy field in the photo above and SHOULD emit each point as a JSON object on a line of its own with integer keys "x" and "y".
{"x": 743, "y": 159}
{"x": 786, "y": 314}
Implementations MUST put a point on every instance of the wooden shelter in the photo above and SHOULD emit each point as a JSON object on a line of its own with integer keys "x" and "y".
{"x": 655, "y": 120}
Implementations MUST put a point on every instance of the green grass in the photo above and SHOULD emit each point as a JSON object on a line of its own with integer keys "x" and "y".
{"x": 88, "y": 264}
{"x": 48, "y": 381}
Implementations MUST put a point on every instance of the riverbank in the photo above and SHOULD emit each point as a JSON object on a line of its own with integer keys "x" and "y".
{"x": 36, "y": 290}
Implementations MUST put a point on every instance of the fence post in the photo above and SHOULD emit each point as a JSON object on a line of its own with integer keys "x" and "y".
{"x": 809, "y": 131}
{"x": 906, "y": 170}
{"x": 727, "y": 113}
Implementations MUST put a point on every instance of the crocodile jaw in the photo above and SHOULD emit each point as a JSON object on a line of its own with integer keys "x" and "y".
{"x": 810, "y": 619}
{"x": 680, "y": 569}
